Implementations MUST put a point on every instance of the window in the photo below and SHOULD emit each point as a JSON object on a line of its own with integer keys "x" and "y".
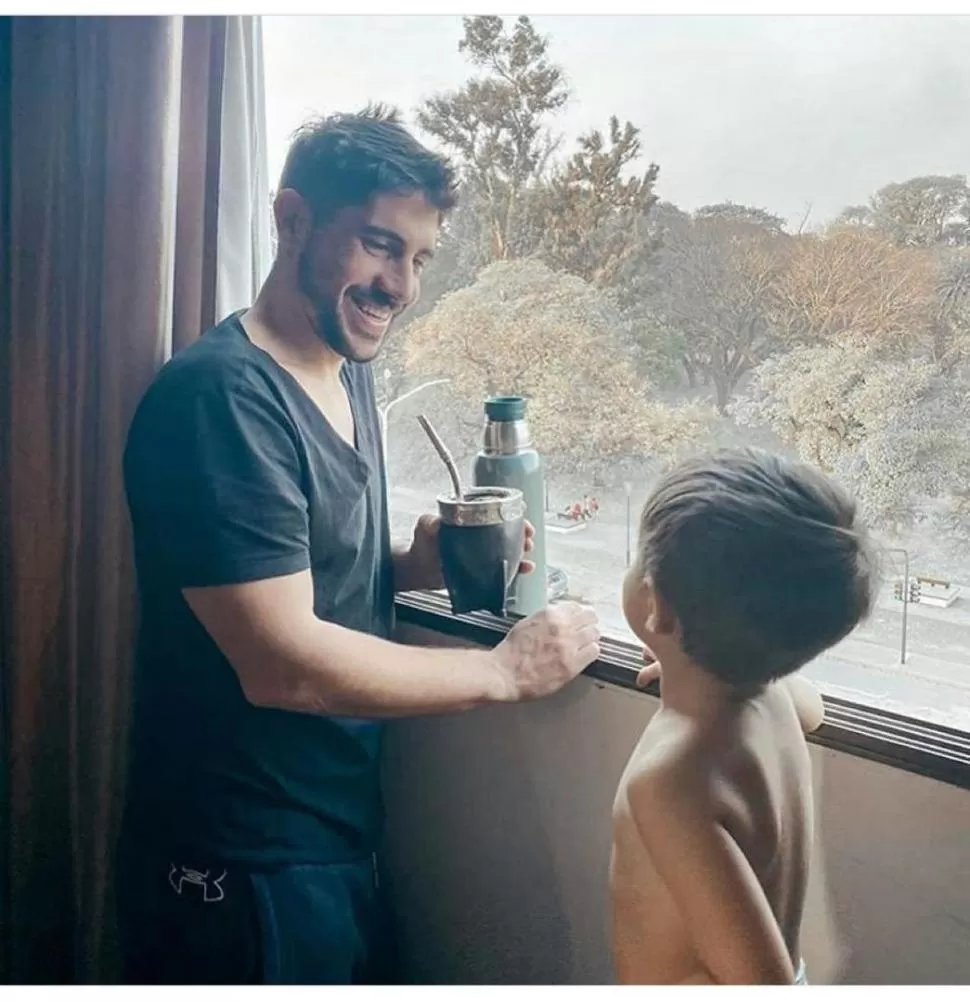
{"x": 680, "y": 231}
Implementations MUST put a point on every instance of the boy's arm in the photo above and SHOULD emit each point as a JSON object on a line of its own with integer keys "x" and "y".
{"x": 808, "y": 702}
{"x": 725, "y": 911}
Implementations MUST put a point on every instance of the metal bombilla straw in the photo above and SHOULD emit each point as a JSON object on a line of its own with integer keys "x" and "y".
{"x": 445, "y": 455}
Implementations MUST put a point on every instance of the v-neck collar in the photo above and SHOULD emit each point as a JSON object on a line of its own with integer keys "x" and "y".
{"x": 353, "y": 449}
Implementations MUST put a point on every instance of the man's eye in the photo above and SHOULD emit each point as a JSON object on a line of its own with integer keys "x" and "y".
{"x": 377, "y": 246}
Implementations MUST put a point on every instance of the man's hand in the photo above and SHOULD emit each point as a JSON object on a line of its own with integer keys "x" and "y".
{"x": 544, "y": 652}
{"x": 419, "y": 566}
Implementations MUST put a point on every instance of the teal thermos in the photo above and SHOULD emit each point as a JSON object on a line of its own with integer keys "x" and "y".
{"x": 508, "y": 459}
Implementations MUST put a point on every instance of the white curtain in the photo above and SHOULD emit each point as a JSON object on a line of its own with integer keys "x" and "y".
{"x": 243, "y": 231}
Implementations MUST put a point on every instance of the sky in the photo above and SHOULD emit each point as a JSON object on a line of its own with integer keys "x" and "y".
{"x": 791, "y": 114}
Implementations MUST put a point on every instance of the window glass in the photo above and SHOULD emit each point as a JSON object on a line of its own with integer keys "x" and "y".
{"x": 677, "y": 232}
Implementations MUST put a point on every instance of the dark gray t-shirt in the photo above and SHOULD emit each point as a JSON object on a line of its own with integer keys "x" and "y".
{"x": 234, "y": 475}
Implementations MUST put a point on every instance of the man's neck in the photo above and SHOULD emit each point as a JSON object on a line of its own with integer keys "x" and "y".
{"x": 284, "y": 329}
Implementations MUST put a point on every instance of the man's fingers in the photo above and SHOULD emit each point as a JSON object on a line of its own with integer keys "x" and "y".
{"x": 582, "y": 615}
{"x": 429, "y": 524}
{"x": 587, "y": 654}
{"x": 587, "y": 635}
{"x": 648, "y": 674}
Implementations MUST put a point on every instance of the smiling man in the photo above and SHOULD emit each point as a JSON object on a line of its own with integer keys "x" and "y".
{"x": 256, "y": 484}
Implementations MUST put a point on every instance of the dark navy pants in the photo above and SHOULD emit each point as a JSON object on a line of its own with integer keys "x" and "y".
{"x": 185, "y": 922}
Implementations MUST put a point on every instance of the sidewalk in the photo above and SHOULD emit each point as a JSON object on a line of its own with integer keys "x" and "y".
{"x": 865, "y": 653}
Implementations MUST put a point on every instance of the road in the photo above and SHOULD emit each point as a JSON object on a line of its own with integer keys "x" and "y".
{"x": 933, "y": 684}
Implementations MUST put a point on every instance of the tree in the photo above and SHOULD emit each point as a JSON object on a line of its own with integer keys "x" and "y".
{"x": 582, "y": 216}
{"x": 951, "y": 320}
{"x": 714, "y": 285}
{"x": 929, "y": 211}
{"x": 742, "y": 215}
{"x": 591, "y": 214}
{"x": 853, "y": 282}
{"x": 497, "y": 126}
{"x": 893, "y": 430}
{"x": 523, "y": 328}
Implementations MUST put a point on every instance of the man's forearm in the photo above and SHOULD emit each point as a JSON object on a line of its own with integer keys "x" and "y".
{"x": 288, "y": 659}
{"x": 338, "y": 671}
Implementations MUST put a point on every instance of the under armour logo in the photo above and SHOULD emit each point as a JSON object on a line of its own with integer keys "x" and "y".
{"x": 179, "y": 876}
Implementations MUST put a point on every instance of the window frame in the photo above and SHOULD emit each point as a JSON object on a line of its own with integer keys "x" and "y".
{"x": 893, "y": 739}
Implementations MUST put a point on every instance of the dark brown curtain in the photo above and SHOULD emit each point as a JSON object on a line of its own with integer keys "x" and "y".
{"x": 109, "y": 150}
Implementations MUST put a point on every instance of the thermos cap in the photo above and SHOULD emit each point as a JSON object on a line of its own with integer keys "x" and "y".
{"x": 505, "y": 408}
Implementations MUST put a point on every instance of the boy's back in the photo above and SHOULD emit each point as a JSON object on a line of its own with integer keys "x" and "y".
{"x": 721, "y": 807}
{"x": 748, "y": 566}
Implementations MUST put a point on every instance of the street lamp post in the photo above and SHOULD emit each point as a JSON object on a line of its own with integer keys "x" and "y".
{"x": 386, "y": 409}
{"x": 905, "y": 598}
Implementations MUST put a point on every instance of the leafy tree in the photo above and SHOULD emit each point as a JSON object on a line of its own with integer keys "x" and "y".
{"x": 714, "y": 284}
{"x": 930, "y": 211}
{"x": 853, "y": 282}
{"x": 523, "y": 328}
{"x": 742, "y": 215}
{"x": 893, "y": 430}
{"x": 591, "y": 213}
{"x": 583, "y": 215}
{"x": 951, "y": 320}
{"x": 497, "y": 126}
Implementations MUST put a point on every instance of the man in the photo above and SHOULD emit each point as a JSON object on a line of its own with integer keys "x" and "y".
{"x": 256, "y": 486}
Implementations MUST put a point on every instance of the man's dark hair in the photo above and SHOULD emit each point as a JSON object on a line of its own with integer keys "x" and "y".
{"x": 347, "y": 159}
{"x": 762, "y": 560}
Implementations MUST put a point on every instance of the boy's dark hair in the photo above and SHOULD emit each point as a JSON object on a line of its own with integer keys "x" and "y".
{"x": 762, "y": 561}
{"x": 346, "y": 159}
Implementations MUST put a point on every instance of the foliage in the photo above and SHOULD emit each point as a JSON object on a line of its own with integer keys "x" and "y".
{"x": 893, "y": 430}
{"x": 853, "y": 282}
{"x": 927, "y": 211}
{"x": 591, "y": 213}
{"x": 522, "y": 328}
{"x": 497, "y": 126}
{"x": 714, "y": 284}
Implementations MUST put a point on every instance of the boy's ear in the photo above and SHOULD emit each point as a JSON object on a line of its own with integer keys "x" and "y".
{"x": 660, "y": 617}
{"x": 636, "y": 602}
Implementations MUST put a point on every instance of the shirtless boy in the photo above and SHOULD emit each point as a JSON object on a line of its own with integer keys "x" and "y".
{"x": 748, "y": 566}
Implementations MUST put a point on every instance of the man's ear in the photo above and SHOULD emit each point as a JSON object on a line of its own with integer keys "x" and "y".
{"x": 294, "y": 220}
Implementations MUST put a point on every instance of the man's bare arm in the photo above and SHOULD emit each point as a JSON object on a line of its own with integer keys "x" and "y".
{"x": 287, "y": 658}
{"x": 726, "y": 914}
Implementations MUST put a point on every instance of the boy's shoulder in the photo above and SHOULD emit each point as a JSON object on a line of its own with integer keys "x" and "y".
{"x": 807, "y": 702}
{"x": 670, "y": 762}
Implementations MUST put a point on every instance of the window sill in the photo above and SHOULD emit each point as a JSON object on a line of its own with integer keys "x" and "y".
{"x": 927, "y": 749}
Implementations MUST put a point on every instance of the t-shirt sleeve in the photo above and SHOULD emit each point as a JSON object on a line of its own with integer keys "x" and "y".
{"x": 214, "y": 482}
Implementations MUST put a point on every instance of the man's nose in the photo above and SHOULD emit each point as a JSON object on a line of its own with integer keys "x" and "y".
{"x": 400, "y": 283}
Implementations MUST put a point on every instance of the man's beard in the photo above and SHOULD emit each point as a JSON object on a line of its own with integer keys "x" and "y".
{"x": 329, "y": 325}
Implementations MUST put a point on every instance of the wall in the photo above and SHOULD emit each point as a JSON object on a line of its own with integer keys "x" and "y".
{"x": 498, "y": 849}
